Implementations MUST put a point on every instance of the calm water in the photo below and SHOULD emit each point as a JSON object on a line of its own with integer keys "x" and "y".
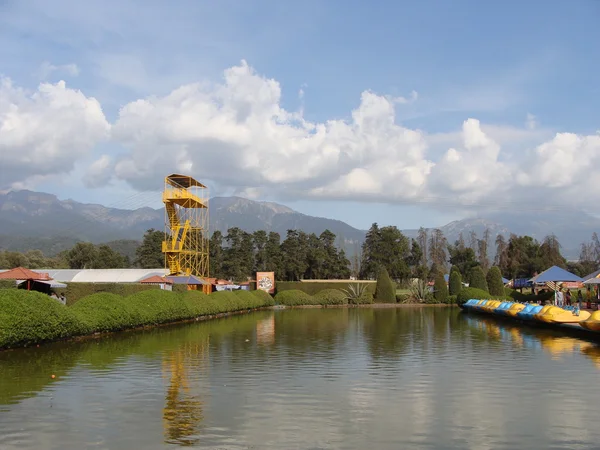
{"x": 335, "y": 378}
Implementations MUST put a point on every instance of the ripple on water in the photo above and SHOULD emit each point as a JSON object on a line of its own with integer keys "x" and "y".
{"x": 317, "y": 379}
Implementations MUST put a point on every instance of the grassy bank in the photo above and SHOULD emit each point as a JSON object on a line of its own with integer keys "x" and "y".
{"x": 28, "y": 318}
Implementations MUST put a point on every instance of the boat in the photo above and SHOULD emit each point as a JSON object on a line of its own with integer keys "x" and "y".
{"x": 528, "y": 312}
{"x": 592, "y": 323}
{"x": 514, "y": 309}
{"x": 556, "y": 314}
{"x": 541, "y": 312}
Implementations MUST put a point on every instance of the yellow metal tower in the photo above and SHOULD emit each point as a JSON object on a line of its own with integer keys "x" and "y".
{"x": 186, "y": 226}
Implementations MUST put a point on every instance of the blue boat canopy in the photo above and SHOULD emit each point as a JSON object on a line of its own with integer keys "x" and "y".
{"x": 555, "y": 274}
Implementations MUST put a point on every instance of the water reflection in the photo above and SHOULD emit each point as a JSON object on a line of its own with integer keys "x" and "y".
{"x": 333, "y": 378}
{"x": 552, "y": 342}
{"x": 183, "y": 411}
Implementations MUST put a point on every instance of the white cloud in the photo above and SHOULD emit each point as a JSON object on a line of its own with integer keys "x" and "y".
{"x": 47, "y": 69}
{"x": 236, "y": 136}
{"x": 43, "y": 133}
{"x": 531, "y": 122}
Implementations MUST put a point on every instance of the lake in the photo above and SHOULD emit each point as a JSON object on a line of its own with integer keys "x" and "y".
{"x": 374, "y": 378}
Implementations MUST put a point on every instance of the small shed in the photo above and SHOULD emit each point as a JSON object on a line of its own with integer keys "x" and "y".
{"x": 156, "y": 280}
{"x": 192, "y": 282}
{"x": 29, "y": 277}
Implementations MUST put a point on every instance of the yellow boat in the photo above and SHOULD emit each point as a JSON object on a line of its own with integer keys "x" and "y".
{"x": 491, "y": 306}
{"x": 539, "y": 315}
{"x": 514, "y": 309}
{"x": 592, "y": 323}
{"x": 559, "y": 315}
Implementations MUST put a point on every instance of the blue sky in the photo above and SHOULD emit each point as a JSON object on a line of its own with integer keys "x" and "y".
{"x": 465, "y": 99}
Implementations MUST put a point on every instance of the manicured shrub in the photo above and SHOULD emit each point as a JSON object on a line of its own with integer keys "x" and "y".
{"x": 76, "y": 291}
{"x": 8, "y": 284}
{"x": 494, "y": 281}
{"x": 314, "y": 287}
{"x": 455, "y": 282}
{"x": 440, "y": 289}
{"x": 28, "y": 317}
{"x": 331, "y": 297}
{"x": 31, "y": 317}
{"x": 264, "y": 296}
{"x": 477, "y": 279}
{"x": 106, "y": 312}
{"x": 294, "y": 298}
{"x": 452, "y": 299}
{"x": 385, "y": 291}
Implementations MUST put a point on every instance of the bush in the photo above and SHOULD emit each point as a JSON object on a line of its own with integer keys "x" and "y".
{"x": 440, "y": 290}
{"x": 76, "y": 291}
{"x": 31, "y": 317}
{"x": 105, "y": 312}
{"x": 264, "y": 296}
{"x": 294, "y": 298}
{"x": 331, "y": 297}
{"x": 314, "y": 287}
{"x": 477, "y": 279}
{"x": 385, "y": 291}
{"x": 8, "y": 284}
{"x": 452, "y": 299}
{"x": 28, "y": 317}
{"x": 494, "y": 281}
{"x": 455, "y": 282}
{"x": 403, "y": 298}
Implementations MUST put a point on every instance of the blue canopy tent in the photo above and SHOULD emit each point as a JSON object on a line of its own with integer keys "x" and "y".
{"x": 556, "y": 275}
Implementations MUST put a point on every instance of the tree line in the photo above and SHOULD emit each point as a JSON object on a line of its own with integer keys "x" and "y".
{"x": 238, "y": 254}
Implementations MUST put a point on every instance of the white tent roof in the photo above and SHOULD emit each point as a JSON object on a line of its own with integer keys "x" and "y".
{"x": 105, "y": 275}
{"x": 102, "y": 275}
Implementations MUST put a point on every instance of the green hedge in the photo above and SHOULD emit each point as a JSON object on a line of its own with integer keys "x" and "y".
{"x": 523, "y": 298}
{"x": 32, "y": 317}
{"x": 294, "y": 298}
{"x": 331, "y": 297}
{"x": 312, "y": 288}
{"x": 8, "y": 284}
{"x": 28, "y": 317}
{"x": 76, "y": 291}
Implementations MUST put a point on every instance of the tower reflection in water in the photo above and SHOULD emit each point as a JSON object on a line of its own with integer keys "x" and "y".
{"x": 183, "y": 410}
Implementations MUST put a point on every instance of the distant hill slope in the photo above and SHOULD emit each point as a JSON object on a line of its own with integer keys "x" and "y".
{"x": 36, "y": 220}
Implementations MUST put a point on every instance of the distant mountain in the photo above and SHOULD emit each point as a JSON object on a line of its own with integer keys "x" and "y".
{"x": 36, "y": 220}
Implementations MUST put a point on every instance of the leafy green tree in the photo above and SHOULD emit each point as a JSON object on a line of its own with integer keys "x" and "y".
{"x": 259, "y": 240}
{"x": 549, "y": 253}
{"x": 386, "y": 246}
{"x": 215, "y": 252}
{"x": 494, "y": 281}
{"x": 107, "y": 258}
{"x": 294, "y": 250}
{"x": 274, "y": 256}
{"x": 83, "y": 255}
{"x": 440, "y": 289}
{"x": 463, "y": 259}
{"x": 477, "y": 279}
{"x": 238, "y": 260}
{"x": 385, "y": 291}
{"x": 455, "y": 281}
{"x": 149, "y": 254}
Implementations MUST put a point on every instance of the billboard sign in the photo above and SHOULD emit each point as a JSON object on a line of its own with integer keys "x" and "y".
{"x": 265, "y": 281}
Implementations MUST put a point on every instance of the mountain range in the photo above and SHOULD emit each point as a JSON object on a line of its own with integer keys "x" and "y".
{"x": 37, "y": 220}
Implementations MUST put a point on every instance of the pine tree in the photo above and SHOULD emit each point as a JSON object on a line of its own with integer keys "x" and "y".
{"x": 385, "y": 292}
{"x": 440, "y": 288}
{"x": 494, "y": 281}
{"x": 477, "y": 279}
{"x": 455, "y": 282}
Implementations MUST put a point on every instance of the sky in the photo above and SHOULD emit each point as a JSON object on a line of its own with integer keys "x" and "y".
{"x": 398, "y": 112}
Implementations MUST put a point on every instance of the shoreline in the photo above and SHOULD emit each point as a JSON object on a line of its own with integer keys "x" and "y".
{"x": 203, "y": 318}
